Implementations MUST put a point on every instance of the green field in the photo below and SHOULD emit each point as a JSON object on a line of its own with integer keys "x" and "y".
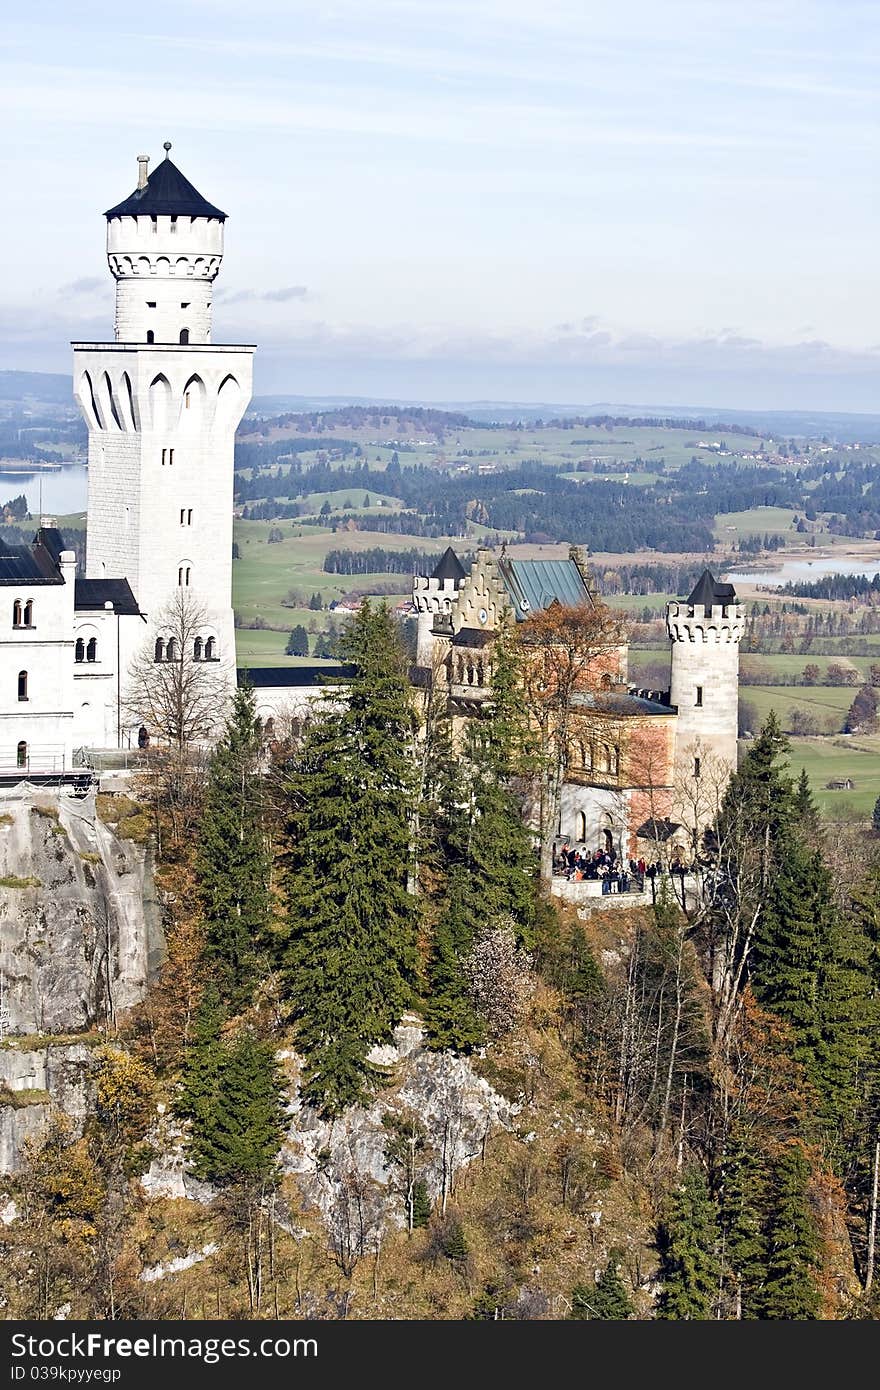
{"x": 758, "y": 521}
{"x": 829, "y": 703}
{"x": 827, "y": 759}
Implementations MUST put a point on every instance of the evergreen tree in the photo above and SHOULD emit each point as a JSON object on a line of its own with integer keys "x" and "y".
{"x": 741, "y": 1204}
{"x": 349, "y": 960}
{"x": 232, "y": 860}
{"x": 488, "y": 860}
{"x": 688, "y": 1240}
{"x": 607, "y": 1298}
{"x": 238, "y": 1118}
{"x": 789, "y": 1290}
{"x": 875, "y": 816}
{"x": 812, "y": 967}
{"x": 421, "y": 1204}
{"x": 297, "y": 642}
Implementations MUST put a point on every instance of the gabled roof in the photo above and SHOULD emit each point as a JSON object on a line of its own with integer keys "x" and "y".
{"x": 449, "y": 566}
{"x": 29, "y": 564}
{"x": 536, "y": 584}
{"x": 167, "y": 193}
{"x": 709, "y": 591}
{"x": 91, "y": 594}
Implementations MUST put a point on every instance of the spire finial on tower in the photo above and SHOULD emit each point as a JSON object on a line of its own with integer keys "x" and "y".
{"x": 167, "y": 148}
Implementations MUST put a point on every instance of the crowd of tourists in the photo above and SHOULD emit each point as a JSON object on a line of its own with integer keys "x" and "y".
{"x": 577, "y": 863}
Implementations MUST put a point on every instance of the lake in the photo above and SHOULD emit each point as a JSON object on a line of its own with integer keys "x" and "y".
{"x": 64, "y": 490}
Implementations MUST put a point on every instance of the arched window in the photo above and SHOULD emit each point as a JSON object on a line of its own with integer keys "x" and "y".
{"x": 607, "y": 758}
{"x": 16, "y": 613}
{"x": 605, "y": 682}
{"x": 151, "y": 337}
{"x": 171, "y": 649}
{"x": 210, "y": 649}
{"x": 183, "y": 575}
{"x": 582, "y": 749}
{"x": 158, "y": 655}
{"x": 21, "y": 754}
{"x": 582, "y": 826}
{"x": 79, "y": 652}
{"x": 269, "y": 727}
{"x": 92, "y": 649}
{"x": 22, "y": 685}
{"x": 197, "y": 649}
{"x": 29, "y": 613}
{"x": 184, "y": 335}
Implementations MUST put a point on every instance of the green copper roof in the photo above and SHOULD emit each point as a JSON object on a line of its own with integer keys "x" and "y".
{"x": 535, "y": 584}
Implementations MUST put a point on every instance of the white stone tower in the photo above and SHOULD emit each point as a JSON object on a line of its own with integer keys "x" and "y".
{"x": 705, "y": 631}
{"x": 162, "y": 404}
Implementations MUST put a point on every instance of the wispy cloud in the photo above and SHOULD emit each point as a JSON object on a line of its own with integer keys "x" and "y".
{"x": 280, "y": 296}
{"x": 87, "y": 284}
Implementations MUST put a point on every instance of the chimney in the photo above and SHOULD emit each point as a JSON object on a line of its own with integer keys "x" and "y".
{"x": 143, "y": 161}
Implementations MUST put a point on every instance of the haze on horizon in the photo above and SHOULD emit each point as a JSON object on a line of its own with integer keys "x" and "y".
{"x": 465, "y": 199}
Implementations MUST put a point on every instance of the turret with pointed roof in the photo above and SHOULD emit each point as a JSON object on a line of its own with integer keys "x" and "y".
{"x": 164, "y": 247}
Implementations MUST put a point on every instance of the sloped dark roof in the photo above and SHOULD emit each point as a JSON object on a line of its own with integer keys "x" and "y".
{"x": 620, "y": 704}
{"x": 708, "y": 591}
{"x": 281, "y": 677}
{"x": 94, "y": 593}
{"x": 52, "y": 540}
{"x": 28, "y": 564}
{"x": 167, "y": 193}
{"x": 449, "y": 566}
{"x": 536, "y": 584}
{"x": 657, "y": 829}
{"x": 472, "y": 637}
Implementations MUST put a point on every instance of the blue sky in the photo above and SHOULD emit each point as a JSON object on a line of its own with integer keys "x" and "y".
{"x": 666, "y": 202}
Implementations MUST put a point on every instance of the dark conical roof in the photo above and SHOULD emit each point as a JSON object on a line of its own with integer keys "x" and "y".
{"x": 709, "y": 591}
{"x": 167, "y": 193}
{"x": 449, "y": 566}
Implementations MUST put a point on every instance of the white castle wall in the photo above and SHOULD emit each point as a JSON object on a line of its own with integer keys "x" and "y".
{"x": 44, "y": 721}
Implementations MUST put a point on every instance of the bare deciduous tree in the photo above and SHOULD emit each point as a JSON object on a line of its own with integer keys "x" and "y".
{"x": 179, "y": 698}
{"x": 565, "y": 651}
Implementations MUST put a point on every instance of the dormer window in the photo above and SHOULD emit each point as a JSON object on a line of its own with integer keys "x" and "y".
{"x": 151, "y": 303}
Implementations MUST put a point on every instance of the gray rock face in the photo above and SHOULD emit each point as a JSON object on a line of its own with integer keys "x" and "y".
{"x": 80, "y": 932}
{"x": 78, "y": 920}
{"x": 342, "y": 1166}
{"x": 58, "y": 1071}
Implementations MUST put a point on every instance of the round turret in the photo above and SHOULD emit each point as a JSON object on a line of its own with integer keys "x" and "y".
{"x": 164, "y": 248}
{"x": 705, "y": 631}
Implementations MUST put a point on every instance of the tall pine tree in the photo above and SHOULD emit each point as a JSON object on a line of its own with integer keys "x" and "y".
{"x": 232, "y": 860}
{"x": 688, "y": 1244}
{"x": 487, "y": 859}
{"x": 349, "y": 961}
{"x": 789, "y": 1290}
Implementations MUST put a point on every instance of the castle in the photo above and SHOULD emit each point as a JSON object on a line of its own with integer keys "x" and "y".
{"x": 645, "y": 768}
{"x": 162, "y": 404}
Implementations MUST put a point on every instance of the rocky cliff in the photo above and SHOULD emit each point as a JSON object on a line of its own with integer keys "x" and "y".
{"x": 80, "y": 932}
